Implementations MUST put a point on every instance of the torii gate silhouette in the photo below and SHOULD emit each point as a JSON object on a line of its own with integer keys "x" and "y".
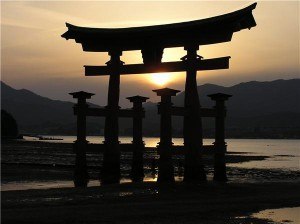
{"x": 152, "y": 40}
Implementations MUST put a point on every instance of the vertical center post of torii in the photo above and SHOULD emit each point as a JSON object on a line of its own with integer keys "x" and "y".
{"x": 111, "y": 124}
{"x": 192, "y": 130}
{"x": 111, "y": 162}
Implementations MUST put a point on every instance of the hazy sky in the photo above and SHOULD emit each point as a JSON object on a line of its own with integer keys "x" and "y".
{"x": 35, "y": 57}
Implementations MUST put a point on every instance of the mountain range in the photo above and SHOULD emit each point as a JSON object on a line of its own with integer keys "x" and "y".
{"x": 256, "y": 110}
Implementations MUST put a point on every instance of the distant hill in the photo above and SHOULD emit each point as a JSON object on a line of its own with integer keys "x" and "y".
{"x": 37, "y": 114}
{"x": 257, "y": 109}
{"x": 254, "y": 98}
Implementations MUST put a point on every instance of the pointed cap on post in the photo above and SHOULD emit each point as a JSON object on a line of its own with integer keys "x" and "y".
{"x": 82, "y": 95}
{"x": 219, "y": 96}
{"x": 166, "y": 92}
{"x": 137, "y": 98}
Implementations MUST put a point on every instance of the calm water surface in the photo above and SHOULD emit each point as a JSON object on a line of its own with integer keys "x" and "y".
{"x": 284, "y": 153}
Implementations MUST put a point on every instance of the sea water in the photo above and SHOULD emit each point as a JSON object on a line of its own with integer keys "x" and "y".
{"x": 283, "y": 153}
{"x": 283, "y": 156}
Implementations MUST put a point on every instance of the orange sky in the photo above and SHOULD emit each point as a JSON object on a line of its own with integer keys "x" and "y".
{"x": 35, "y": 57}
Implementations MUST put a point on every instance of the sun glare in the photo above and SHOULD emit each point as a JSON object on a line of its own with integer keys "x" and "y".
{"x": 160, "y": 79}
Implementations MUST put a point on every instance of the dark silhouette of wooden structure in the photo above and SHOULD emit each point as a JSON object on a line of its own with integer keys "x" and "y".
{"x": 165, "y": 166}
{"x": 81, "y": 176}
{"x": 220, "y": 144}
{"x": 166, "y": 111}
{"x": 152, "y": 41}
{"x": 137, "y": 171}
{"x": 82, "y": 110}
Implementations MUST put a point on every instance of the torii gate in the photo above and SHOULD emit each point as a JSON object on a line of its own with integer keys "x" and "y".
{"x": 152, "y": 40}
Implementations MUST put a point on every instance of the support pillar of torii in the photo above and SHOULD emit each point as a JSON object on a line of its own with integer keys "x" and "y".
{"x": 137, "y": 166}
{"x": 81, "y": 176}
{"x": 220, "y": 144}
{"x": 165, "y": 163}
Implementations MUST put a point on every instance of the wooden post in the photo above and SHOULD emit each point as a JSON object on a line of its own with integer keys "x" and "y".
{"x": 165, "y": 164}
{"x": 220, "y": 144}
{"x": 81, "y": 176}
{"x": 111, "y": 159}
{"x": 192, "y": 128}
{"x": 137, "y": 168}
{"x": 152, "y": 55}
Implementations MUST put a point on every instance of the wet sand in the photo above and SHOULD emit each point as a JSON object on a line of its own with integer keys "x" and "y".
{"x": 149, "y": 203}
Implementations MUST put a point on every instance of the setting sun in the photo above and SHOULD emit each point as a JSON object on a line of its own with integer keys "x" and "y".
{"x": 161, "y": 79}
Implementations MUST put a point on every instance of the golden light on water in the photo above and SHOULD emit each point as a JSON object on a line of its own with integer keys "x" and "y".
{"x": 161, "y": 79}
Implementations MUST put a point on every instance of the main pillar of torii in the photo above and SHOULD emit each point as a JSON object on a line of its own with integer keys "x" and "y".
{"x": 192, "y": 126}
{"x": 110, "y": 172}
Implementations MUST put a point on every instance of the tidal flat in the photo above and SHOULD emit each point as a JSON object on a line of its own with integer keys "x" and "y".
{"x": 37, "y": 187}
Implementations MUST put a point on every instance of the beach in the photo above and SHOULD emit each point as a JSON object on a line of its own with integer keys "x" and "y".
{"x": 41, "y": 191}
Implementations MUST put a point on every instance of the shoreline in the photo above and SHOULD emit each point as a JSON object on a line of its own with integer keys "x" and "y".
{"x": 130, "y": 136}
